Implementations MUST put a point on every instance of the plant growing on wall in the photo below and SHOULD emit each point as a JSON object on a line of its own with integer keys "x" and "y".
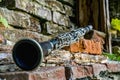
{"x": 113, "y": 57}
{"x": 115, "y": 24}
{"x": 4, "y": 22}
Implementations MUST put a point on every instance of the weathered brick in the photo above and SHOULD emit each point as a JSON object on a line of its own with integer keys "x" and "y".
{"x": 86, "y": 46}
{"x": 21, "y": 19}
{"x": 14, "y": 76}
{"x": 97, "y": 68}
{"x": 8, "y": 67}
{"x": 14, "y": 35}
{"x": 46, "y": 73}
{"x": 59, "y": 57}
{"x": 41, "y": 2}
{"x": 5, "y": 58}
{"x": 92, "y": 47}
{"x": 113, "y": 67}
{"x": 78, "y": 72}
{"x": 92, "y": 43}
{"x": 53, "y": 29}
{"x": 70, "y": 2}
{"x": 80, "y": 58}
{"x": 68, "y": 10}
{"x": 42, "y": 12}
{"x": 60, "y": 18}
{"x": 55, "y": 5}
{"x": 50, "y": 73}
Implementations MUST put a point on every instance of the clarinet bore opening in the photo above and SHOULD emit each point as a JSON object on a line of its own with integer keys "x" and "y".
{"x": 27, "y": 54}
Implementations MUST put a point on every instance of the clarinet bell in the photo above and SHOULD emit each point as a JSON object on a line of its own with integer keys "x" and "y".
{"x": 28, "y": 53}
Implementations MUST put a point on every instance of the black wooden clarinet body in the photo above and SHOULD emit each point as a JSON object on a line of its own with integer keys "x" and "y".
{"x": 28, "y": 53}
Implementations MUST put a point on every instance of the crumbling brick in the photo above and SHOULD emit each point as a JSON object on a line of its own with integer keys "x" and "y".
{"x": 61, "y": 73}
{"x": 97, "y": 68}
{"x": 45, "y": 73}
{"x": 94, "y": 45}
{"x": 86, "y": 46}
{"x": 113, "y": 67}
{"x": 78, "y": 72}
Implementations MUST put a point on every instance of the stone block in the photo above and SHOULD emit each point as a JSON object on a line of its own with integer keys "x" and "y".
{"x": 48, "y": 73}
{"x": 21, "y": 20}
{"x": 60, "y": 18}
{"x": 41, "y": 12}
{"x": 68, "y": 10}
{"x": 53, "y": 29}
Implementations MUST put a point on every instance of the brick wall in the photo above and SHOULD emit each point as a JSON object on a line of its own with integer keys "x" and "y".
{"x": 47, "y": 17}
{"x": 41, "y": 20}
{"x": 108, "y": 71}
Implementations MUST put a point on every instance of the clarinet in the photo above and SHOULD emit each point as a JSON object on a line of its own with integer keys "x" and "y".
{"x": 28, "y": 53}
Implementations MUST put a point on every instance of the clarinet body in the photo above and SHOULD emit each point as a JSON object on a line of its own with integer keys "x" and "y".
{"x": 28, "y": 53}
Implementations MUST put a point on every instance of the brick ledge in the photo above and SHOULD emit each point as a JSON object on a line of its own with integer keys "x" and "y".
{"x": 61, "y": 73}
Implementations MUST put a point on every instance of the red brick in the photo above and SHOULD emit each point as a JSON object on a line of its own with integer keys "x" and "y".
{"x": 75, "y": 47}
{"x": 92, "y": 44}
{"x": 51, "y": 73}
{"x": 97, "y": 68}
{"x": 113, "y": 67}
{"x": 48, "y": 73}
{"x": 79, "y": 72}
{"x": 86, "y": 46}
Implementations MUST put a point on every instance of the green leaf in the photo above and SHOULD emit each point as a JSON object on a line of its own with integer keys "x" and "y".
{"x": 114, "y": 57}
{"x": 115, "y": 23}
